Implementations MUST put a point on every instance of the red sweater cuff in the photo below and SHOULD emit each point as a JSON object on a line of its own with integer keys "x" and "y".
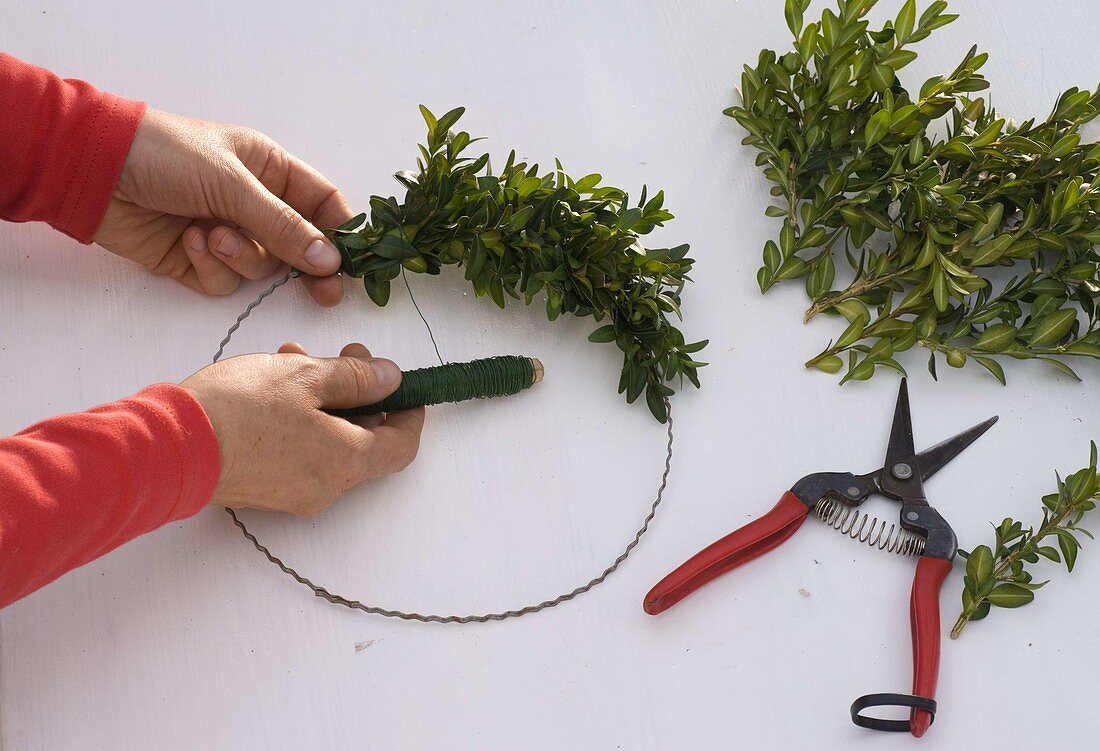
{"x": 107, "y": 135}
{"x": 63, "y": 143}
{"x": 191, "y": 436}
{"x": 77, "y": 486}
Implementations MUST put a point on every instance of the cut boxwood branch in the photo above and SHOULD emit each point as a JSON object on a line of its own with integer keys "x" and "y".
{"x": 519, "y": 234}
{"x": 925, "y": 222}
{"x": 998, "y": 576}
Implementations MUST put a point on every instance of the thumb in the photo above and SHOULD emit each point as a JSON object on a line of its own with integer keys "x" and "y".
{"x": 280, "y": 229}
{"x": 348, "y": 382}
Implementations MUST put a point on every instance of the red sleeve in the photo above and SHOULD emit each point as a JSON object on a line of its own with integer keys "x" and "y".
{"x": 75, "y": 487}
{"x": 62, "y": 145}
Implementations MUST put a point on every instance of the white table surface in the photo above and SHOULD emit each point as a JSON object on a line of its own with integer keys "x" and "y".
{"x": 187, "y": 639}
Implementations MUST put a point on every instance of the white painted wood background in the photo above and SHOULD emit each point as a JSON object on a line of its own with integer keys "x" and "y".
{"x": 187, "y": 639}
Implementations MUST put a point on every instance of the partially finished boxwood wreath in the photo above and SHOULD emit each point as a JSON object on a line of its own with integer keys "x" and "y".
{"x": 520, "y": 235}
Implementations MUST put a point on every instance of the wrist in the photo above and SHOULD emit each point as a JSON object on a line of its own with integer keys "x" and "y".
{"x": 207, "y": 404}
{"x": 190, "y": 435}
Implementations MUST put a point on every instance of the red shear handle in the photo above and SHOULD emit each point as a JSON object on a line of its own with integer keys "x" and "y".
{"x": 752, "y": 540}
{"x": 924, "y": 613}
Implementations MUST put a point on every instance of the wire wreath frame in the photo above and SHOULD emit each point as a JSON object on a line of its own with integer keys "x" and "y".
{"x": 336, "y": 599}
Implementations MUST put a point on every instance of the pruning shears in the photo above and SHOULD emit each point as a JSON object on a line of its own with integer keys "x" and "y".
{"x": 834, "y": 497}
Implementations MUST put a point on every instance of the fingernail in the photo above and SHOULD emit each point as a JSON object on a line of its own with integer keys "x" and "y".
{"x": 322, "y": 256}
{"x": 229, "y": 245}
{"x": 386, "y": 373}
{"x": 198, "y": 242}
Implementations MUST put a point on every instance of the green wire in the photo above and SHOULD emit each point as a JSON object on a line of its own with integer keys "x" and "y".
{"x": 454, "y": 382}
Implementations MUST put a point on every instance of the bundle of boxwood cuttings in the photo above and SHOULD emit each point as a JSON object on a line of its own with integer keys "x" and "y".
{"x": 924, "y": 217}
{"x": 925, "y": 222}
{"x": 520, "y": 234}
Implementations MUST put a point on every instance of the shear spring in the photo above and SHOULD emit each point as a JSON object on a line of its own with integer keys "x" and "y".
{"x": 850, "y": 521}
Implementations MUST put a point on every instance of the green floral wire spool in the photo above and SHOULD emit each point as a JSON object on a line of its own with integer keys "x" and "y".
{"x": 456, "y": 382}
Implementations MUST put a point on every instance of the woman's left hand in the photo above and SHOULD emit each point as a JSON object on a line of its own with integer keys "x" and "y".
{"x": 209, "y": 204}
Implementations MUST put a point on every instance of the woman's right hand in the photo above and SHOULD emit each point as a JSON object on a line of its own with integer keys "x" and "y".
{"x": 280, "y": 452}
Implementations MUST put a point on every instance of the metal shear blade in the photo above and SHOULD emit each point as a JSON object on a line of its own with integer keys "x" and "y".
{"x": 904, "y": 472}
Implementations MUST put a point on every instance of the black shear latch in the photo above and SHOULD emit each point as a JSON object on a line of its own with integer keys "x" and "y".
{"x": 890, "y": 700}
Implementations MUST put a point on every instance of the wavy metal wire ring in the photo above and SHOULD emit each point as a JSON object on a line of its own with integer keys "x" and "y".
{"x": 336, "y": 599}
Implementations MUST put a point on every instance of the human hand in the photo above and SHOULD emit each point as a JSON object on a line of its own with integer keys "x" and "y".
{"x": 208, "y": 204}
{"x": 280, "y": 452}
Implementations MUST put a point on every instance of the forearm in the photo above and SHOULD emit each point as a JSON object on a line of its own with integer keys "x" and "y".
{"x": 75, "y": 487}
{"x": 62, "y": 145}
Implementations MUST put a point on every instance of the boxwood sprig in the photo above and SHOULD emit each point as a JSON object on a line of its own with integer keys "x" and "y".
{"x": 520, "y": 234}
{"x": 997, "y": 575}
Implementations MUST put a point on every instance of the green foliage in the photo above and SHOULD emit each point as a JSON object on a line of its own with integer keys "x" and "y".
{"x": 519, "y": 234}
{"x": 924, "y": 222}
{"x": 997, "y": 576}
